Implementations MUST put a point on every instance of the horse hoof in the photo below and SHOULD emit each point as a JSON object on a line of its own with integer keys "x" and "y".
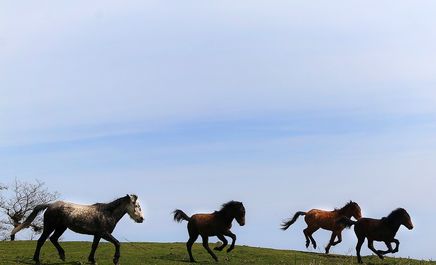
{"x": 230, "y": 249}
{"x": 218, "y": 248}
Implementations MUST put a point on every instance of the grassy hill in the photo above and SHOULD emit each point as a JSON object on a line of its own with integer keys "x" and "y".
{"x": 20, "y": 252}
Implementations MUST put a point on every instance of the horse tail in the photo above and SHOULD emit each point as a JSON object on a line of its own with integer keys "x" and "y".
{"x": 286, "y": 224}
{"x": 180, "y": 215}
{"x": 29, "y": 219}
{"x": 346, "y": 221}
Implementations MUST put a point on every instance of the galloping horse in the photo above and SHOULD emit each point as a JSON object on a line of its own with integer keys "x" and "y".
{"x": 383, "y": 229}
{"x": 98, "y": 219}
{"x": 316, "y": 219}
{"x": 217, "y": 224}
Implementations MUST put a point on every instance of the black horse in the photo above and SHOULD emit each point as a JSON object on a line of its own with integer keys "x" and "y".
{"x": 383, "y": 230}
{"x": 217, "y": 224}
{"x": 98, "y": 219}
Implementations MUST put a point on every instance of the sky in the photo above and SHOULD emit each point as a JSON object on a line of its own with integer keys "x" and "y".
{"x": 284, "y": 105}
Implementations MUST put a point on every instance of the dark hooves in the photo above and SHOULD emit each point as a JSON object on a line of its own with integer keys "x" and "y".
{"x": 218, "y": 248}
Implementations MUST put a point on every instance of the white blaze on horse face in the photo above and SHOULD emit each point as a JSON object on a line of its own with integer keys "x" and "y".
{"x": 134, "y": 210}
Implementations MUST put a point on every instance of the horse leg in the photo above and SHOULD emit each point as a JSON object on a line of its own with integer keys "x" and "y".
{"x": 397, "y": 245}
{"x": 95, "y": 242}
{"x": 388, "y": 245}
{"x": 339, "y": 235}
{"x": 206, "y": 246}
{"x": 308, "y": 233}
{"x": 116, "y": 243}
{"x": 360, "y": 242}
{"x": 193, "y": 235}
{"x": 54, "y": 239}
{"x": 307, "y": 237}
{"x": 331, "y": 243}
{"x": 371, "y": 247}
{"x": 233, "y": 237}
{"x": 45, "y": 234}
{"x": 223, "y": 245}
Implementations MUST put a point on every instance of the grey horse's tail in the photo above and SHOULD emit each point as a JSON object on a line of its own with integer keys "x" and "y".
{"x": 29, "y": 219}
{"x": 346, "y": 221}
{"x": 286, "y": 224}
{"x": 180, "y": 215}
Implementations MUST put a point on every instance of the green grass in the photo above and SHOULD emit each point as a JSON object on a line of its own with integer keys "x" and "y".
{"x": 20, "y": 252}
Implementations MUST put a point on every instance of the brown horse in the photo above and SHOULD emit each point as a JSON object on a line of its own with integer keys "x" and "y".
{"x": 217, "y": 224}
{"x": 383, "y": 230}
{"x": 316, "y": 219}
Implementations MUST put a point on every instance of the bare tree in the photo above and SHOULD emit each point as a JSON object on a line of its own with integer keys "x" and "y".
{"x": 2, "y": 227}
{"x": 18, "y": 202}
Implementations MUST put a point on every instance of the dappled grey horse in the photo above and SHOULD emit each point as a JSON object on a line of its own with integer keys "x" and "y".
{"x": 98, "y": 219}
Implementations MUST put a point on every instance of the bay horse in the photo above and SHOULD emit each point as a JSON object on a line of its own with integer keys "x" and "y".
{"x": 98, "y": 219}
{"x": 316, "y": 219}
{"x": 383, "y": 230}
{"x": 217, "y": 224}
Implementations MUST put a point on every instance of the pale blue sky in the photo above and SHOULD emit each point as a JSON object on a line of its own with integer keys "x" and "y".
{"x": 285, "y": 105}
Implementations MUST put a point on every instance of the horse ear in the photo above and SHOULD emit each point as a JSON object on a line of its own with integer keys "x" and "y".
{"x": 133, "y": 197}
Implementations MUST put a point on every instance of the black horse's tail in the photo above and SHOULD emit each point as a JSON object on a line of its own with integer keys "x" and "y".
{"x": 286, "y": 224}
{"x": 346, "y": 221}
{"x": 180, "y": 215}
{"x": 29, "y": 219}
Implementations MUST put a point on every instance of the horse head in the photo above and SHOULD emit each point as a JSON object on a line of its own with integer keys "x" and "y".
{"x": 406, "y": 220}
{"x": 353, "y": 210}
{"x": 134, "y": 208}
{"x": 240, "y": 214}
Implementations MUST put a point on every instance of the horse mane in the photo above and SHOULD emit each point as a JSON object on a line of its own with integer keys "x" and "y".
{"x": 112, "y": 205}
{"x": 395, "y": 215}
{"x": 228, "y": 205}
{"x": 350, "y": 203}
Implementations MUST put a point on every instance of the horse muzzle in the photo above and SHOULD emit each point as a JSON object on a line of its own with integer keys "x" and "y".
{"x": 140, "y": 220}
